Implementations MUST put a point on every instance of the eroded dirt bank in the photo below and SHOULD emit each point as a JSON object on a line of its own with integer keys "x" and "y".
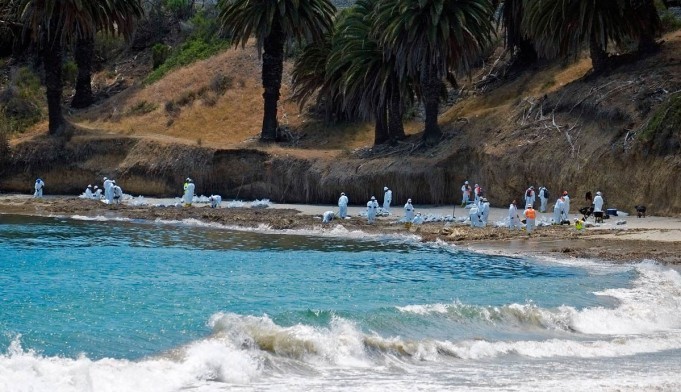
{"x": 155, "y": 168}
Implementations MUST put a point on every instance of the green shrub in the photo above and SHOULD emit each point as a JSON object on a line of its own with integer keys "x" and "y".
{"x": 663, "y": 130}
{"x": 107, "y": 47}
{"x": 69, "y": 73}
{"x": 21, "y": 101}
{"x": 4, "y": 148}
{"x": 159, "y": 54}
{"x": 190, "y": 52}
{"x": 670, "y": 21}
{"x": 204, "y": 25}
{"x": 181, "y": 9}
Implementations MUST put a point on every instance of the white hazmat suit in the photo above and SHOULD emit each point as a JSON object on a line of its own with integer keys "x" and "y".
{"x": 39, "y": 185}
{"x": 558, "y": 211}
{"x": 117, "y": 194}
{"x": 543, "y": 199}
{"x": 598, "y": 202}
{"x": 188, "y": 192}
{"x": 327, "y": 216}
{"x": 474, "y": 215}
{"x": 566, "y": 206}
{"x": 88, "y": 192}
{"x": 372, "y": 208}
{"x": 513, "y": 217}
{"x": 108, "y": 190}
{"x": 530, "y": 196}
{"x": 343, "y": 206}
{"x": 387, "y": 199}
{"x": 484, "y": 211}
{"x": 215, "y": 201}
{"x": 408, "y": 211}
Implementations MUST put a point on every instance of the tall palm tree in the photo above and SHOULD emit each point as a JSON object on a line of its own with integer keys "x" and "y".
{"x": 370, "y": 85}
{"x": 274, "y": 23}
{"x": 55, "y": 24}
{"x": 122, "y": 13}
{"x": 431, "y": 37}
{"x": 512, "y": 12}
{"x": 309, "y": 77}
{"x": 652, "y": 25}
{"x": 564, "y": 27}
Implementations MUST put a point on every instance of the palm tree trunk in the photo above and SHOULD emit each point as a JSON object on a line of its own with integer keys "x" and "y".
{"x": 52, "y": 61}
{"x": 646, "y": 43}
{"x": 527, "y": 54}
{"x": 272, "y": 70}
{"x": 85, "y": 49}
{"x": 395, "y": 125}
{"x": 381, "y": 126}
{"x": 431, "y": 86}
{"x": 599, "y": 57}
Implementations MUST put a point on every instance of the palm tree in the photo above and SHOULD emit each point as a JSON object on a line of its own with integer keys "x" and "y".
{"x": 309, "y": 77}
{"x": 370, "y": 85}
{"x": 431, "y": 37}
{"x": 512, "y": 12}
{"x": 55, "y": 24}
{"x": 124, "y": 14}
{"x": 274, "y": 23}
{"x": 652, "y": 25}
{"x": 564, "y": 27}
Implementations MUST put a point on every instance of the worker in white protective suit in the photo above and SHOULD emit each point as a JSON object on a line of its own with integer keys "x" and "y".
{"x": 343, "y": 206}
{"x": 372, "y": 208}
{"x": 566, "y": 206}
{"x": 408, "y": 211}
{"x": 215, "y": 201}
{"x": 465, "y": 194}
{"x": 474, "y": 215}
{"x": 598, "y": 207}
{"x": 117, "y": 193}
{"x": 327, "y": 216}
{"x": 558, "y": 211}
{"x": 97, "y": 193}
{"x": 484, "y": 211}
{"x": 543, "y": 198}
{"x": 387, "y": 199}
{"x": 530, "y": 196}
{"x": 188, "y": 192}
{"x": 39, "y": 186}
{"x": 108, "y": 190}
{"x": 88, "y": 192}
{"x": 513, "y": 216}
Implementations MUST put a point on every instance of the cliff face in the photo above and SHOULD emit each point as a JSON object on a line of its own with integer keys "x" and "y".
{"x": 157, "y": 169}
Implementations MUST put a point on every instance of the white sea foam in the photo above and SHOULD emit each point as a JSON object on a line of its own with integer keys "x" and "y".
{"x": 99, "y": 218}
{"x": 652, "y": 305}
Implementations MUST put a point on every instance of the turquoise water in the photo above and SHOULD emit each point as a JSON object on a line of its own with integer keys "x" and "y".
{"x": 219, "y": 308}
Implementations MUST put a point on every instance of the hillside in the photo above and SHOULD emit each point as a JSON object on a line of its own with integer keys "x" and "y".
{"x": 551, "y": 125}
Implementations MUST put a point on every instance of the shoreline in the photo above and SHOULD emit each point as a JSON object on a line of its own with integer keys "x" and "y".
{"x": 653, "y": 238}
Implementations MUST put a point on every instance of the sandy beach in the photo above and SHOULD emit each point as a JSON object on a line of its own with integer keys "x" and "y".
{"x": 632, "y": 240}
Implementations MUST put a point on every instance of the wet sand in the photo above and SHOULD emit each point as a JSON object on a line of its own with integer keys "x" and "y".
{"x": 652, "y": 238}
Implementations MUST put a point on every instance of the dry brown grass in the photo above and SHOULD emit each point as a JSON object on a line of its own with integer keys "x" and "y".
{"x": 221, "y": 121}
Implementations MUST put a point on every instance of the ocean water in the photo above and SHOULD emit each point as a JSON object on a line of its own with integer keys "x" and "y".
{"x": 115, "y": 305}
